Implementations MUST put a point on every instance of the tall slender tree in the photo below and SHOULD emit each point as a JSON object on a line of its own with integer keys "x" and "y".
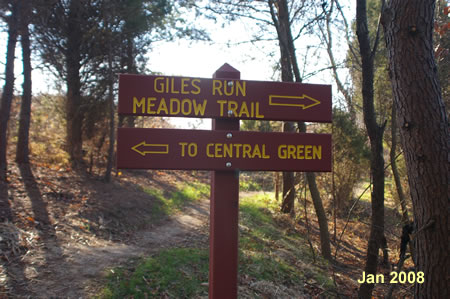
{"x": 108, "y": 13}
{"x": 5, "y": 105}
{"x": 67, "y": 33}
{"x": 290, "y": 70}
{"x": 350, "y": 153}
{"x": 280, "y": 16}
{"x": 288, "y": 20}
{"x": 22, "y": 150}
{"x": 375, "y": 132}
{"x": 394, "y": 167}
{"x": 425, "y": 136}
{"x": 63, "y": 30}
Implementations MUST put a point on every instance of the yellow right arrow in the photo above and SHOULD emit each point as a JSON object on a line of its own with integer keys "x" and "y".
{"x": 303, "y": 101}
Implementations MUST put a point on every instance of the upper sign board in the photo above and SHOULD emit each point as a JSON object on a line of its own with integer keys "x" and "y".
{"x": 222, "y": 150}
{"x": 223, "y": 98}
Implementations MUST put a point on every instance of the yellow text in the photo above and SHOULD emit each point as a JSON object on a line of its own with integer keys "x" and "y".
{"x": 172, "y": 106}
{"x": 170, "y": 85}
{"x": 236, "y": 150}
{"x": 190, "y": 148}
{"x": 300, "y": 152}
{"x": 242, "y": 109}
{"x": 229, "y": 88}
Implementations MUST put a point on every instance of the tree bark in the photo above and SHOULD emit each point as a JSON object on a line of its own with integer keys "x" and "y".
{"x": 375, "y": 133}
{"x": 277, "y": 186}
{"x": 288, "y": 202}
{"x": 131, "y": 69}
{"x": 22, "y": 150}
{"x": 8, "y": 89}
{"x": 281, "y": 22}
{"x": 321, "y": 216}
{"x": 327, "y": 36}
{"x": 395, "y": 173}
{"x": 424, "y": 133}
{"x": 289, "y": 69}
{"x": 74, "y": 113}
{"x": 318, "y": 207}
{"x": 110, "y": 158}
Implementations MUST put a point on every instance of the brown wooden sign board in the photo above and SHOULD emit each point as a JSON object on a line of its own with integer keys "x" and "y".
{"x": 139, "y": 148}
{"x": 226, "y": 99}
{"x": 223, "y": 98}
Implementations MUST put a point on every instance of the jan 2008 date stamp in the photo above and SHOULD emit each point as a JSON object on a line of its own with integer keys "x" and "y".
{"x": 394, "y": 277}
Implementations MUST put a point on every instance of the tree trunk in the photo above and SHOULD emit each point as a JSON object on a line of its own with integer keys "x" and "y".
{"x": 131, "y": 69}
{"x": 321, "y": 216}
{"x": 395, "y": 173}
{"x": 375, "y": 133}
{"x": 74, "y": 114}
{"x": 281, "y": 22}
{"x": 109, "y": 163}
{"x": 424, "y": 135}
{"x": 289, "y": 67}
{"x": 318, "y": 207}
{"x": 277, "y": 186}
{"x": 8, "y": 89}
{"x": 327, "y": 37}
{"x": 22, "y": 150}
{"x": 288, "y": 202}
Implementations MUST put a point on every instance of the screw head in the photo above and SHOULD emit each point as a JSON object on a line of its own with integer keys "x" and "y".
{"x": 230, "y": 83}
{"x": 228, "y": 164}
{"x": 229, "y": 135}
{"x": 230, "y": 113}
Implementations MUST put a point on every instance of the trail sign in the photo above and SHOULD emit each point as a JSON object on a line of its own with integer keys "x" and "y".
{"x": 225, "y": 149}
{"x": 223, "y": 98}
{"x": 222, "y": 150}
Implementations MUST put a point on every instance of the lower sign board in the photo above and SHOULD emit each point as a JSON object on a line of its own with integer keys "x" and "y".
{"x": 139, "y": 148}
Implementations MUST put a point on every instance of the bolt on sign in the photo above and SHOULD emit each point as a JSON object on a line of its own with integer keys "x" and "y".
{"x": 222, "y": 150}
{"x": 223, "y": 98}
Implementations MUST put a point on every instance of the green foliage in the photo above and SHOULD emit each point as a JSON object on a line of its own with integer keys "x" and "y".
{"x": 351, "y": 156}
{"x": 267, "y": 254}
{"x": 256, "y": 181}
{"x": 171, "y": 202}
{"x": 259, "y": 218}
{"x": 249, "y": 185}
{"x": 172, "y": 273}
{"x": 382, "y": 84}
{"x": 260, "y": 126}
{"x": 348, "y": 139}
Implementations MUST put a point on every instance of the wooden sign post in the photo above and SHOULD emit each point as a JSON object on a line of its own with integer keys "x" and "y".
{"x": 224, "y": 211}
{"x": 224, "y": 150}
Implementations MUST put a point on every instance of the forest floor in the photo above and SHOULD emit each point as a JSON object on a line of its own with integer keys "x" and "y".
{"x": 70, "y": 228}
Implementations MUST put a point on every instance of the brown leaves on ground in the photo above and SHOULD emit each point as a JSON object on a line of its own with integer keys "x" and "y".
{"x": 54, "y": 216}
{"x": 352, "y": 249}
{"x": 60, "y": 221}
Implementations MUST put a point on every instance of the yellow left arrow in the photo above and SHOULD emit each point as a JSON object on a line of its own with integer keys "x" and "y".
{"x": 150, "y": 148}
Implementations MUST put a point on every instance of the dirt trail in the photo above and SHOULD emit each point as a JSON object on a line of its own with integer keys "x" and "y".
{"x": 74, "y": 270}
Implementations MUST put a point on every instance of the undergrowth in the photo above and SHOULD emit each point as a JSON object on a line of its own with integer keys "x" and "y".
{"x": 173, "y": 273}
{"x": 170, "y": 202}
{"x": 272, "y": 258}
